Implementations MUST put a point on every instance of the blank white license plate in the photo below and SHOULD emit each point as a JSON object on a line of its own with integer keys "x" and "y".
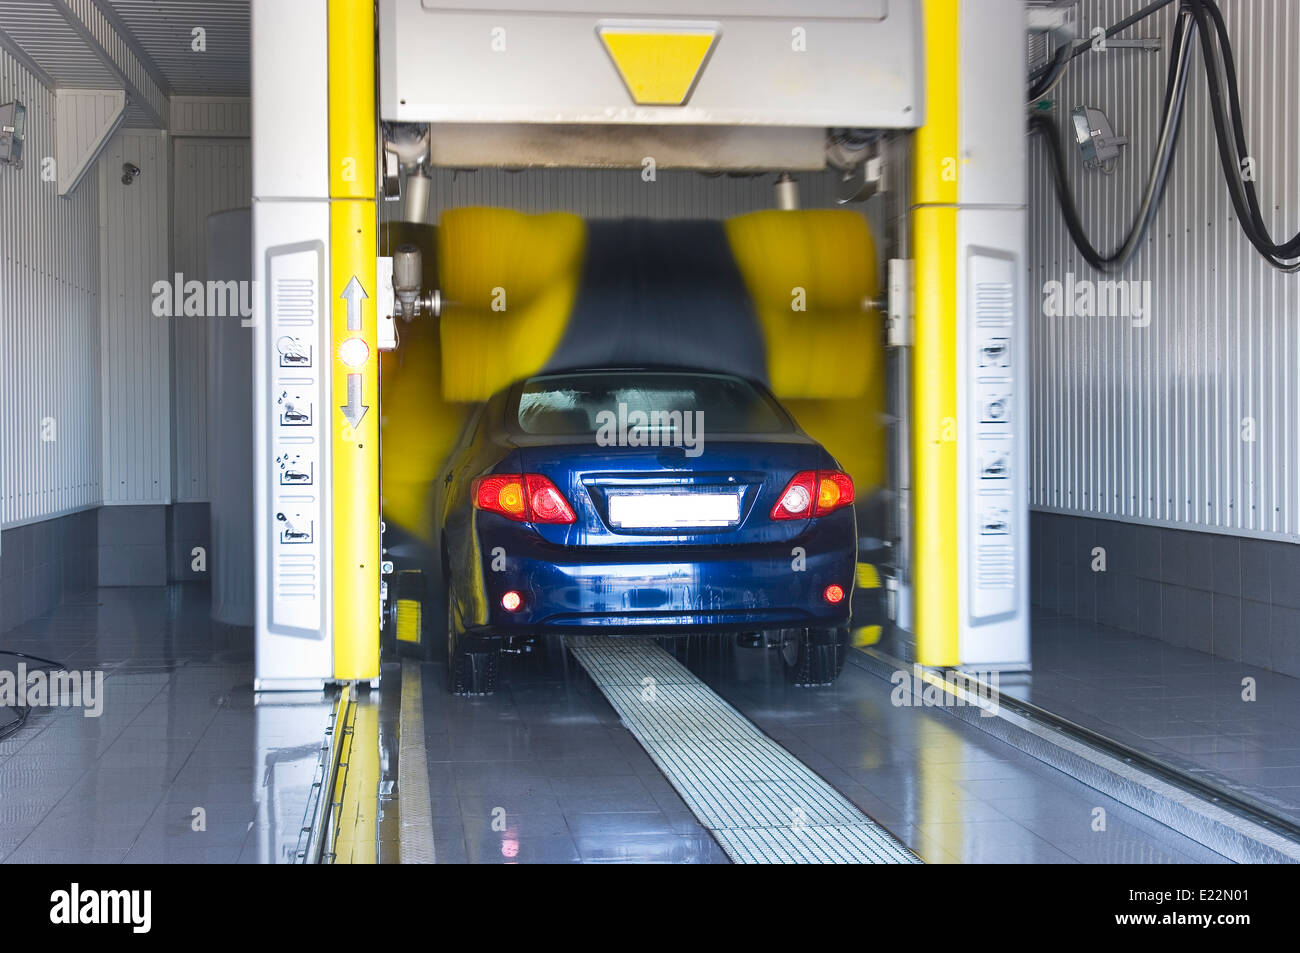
{"x": 647, "y": 510}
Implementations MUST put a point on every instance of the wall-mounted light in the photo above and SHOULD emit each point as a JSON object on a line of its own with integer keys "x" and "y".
{"x": 13, "y": 123}
{"x": 1097, "y": 141}
{"x": 130, "y": 172}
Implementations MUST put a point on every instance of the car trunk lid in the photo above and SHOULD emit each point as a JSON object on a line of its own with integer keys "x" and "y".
{"x": 721, "y": 494}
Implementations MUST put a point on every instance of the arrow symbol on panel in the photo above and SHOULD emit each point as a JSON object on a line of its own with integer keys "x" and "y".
{"x": 354, "y": 294}
{"x": 354, "y": 410}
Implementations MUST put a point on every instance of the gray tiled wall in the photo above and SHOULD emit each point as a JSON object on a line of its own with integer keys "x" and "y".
{"x": 42, "y": 563}
{"x": 151, "y": 545}
{"x": 133, "y": 545}
{"x": 187, "y": 528}
{"x": 1235, "y": 597}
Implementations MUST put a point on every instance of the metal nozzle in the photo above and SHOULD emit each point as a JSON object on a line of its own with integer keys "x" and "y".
{"x": 408, "y": 276}
{"x": 787, "y": 192}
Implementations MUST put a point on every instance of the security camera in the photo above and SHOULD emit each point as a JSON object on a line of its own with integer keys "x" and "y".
{"x": 129, "y": 172}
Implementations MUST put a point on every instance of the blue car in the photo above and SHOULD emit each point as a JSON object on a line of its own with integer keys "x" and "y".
{"x": 643, "y": 501}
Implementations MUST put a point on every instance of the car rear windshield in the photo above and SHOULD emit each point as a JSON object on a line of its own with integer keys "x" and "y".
{"x": 650, "y": 402}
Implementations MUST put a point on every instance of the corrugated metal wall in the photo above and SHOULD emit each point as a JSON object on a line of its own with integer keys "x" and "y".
{"x": 1193, "y": 420}
{"x": 210, "y": 116}
{"x": 135, "y": 344}
{"x": 49, "y": 325}
{"x": 92, "y": 19}
{"x": 211, "y": 175}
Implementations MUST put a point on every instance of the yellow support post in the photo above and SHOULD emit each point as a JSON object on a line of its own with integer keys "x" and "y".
{"x": 938, "y": 141}
{"x": 356, "y": 788}
{"x": 354, "y": 411}
{"x": 935, "y": 430}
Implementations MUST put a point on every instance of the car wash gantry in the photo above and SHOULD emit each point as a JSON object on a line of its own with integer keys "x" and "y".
{"x": 484, "y": 433}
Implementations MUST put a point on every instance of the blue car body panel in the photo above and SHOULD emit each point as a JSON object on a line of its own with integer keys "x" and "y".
{"x": 594, "y": 576}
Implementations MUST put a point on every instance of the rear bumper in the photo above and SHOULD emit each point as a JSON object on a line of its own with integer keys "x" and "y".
{"x": 655, "y": 588}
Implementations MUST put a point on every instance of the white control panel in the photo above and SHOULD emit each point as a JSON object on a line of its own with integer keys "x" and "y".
{"x": 291, "y": 416}
{"x": 296, "y": 440}
{"x": 292, "y": 349}
{"x": 993, "y": 393}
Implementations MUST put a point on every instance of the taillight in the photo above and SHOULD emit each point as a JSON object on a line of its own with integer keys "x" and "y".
{"x": 813, "y": 493}
{"x": 834, "y": 489}
{"x": 796, "y": 500}
{"x": 546, "y": 504}
{"x": 522, "y": 497}
{"x": 502, "y": 494}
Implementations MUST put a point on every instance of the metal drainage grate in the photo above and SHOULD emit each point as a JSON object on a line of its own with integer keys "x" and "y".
{"x": 760, "y": 803}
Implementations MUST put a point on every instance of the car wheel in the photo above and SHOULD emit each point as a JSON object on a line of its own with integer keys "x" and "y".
{"x": 813, "y": 656}
{"x": 472, "y": 667}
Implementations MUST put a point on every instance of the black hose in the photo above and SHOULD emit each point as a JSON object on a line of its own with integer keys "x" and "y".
{"x": 1059, "y": 62}
{"x": 1201, "y": 16}
{"x": 45, "y": 663}
{"x": 23, "y": 711}
{"x": 14, "y": 726}
{"x": 1175, "y": 96}
{"x": 1229, "y": 68}
{"x": 1221, "y": 70}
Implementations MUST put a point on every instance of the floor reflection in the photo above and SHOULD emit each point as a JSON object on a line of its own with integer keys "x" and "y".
{"x": 182, "y": 766}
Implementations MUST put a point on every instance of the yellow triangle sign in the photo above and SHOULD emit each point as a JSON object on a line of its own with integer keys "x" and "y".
{"x": 659, "y": 67}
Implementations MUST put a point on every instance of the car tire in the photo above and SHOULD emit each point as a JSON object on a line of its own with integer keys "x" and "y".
{"x": 813, "y": 657}
{"x": 472, "y": 665}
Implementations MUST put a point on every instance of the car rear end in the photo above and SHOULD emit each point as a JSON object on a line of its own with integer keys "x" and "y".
{"x": 722, "y": 516}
